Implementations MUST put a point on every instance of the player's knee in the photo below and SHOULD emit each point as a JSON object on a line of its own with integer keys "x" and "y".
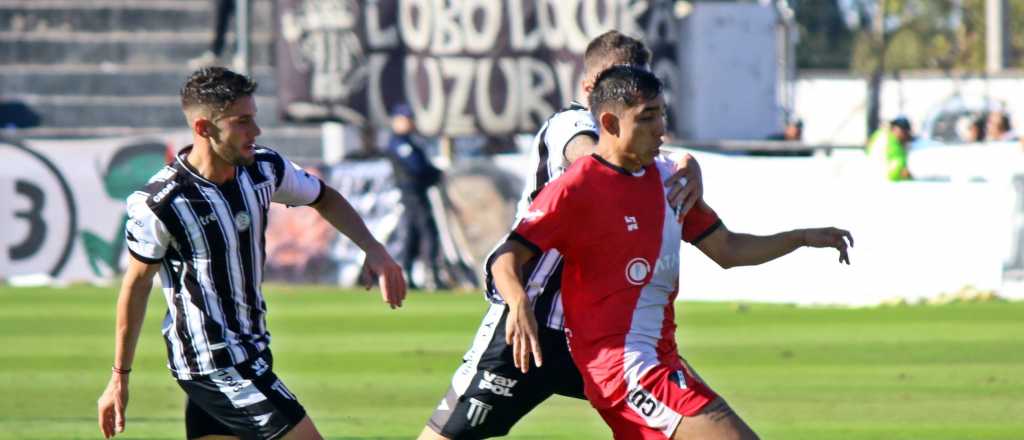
{"x": 304, "y": 430}
{"x": 717, "y": 420}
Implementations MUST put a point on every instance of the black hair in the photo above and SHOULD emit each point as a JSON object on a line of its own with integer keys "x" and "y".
{"x": 215, "y": 88}
{"x": 624, "y": 86}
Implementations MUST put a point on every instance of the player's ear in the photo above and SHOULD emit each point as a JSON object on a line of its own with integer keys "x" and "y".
{"x": 609, "y": 123}
{"x": 587, "y": 86}
{"x": 203, "y": 127}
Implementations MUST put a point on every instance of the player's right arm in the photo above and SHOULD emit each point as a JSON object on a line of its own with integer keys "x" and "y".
{"x": 131, "y": 310}
{"x": 520, "y": 325}
{"x": 582, "y": 144}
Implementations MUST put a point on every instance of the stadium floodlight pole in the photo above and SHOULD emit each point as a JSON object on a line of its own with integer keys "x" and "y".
{"x": 243, "y": 60}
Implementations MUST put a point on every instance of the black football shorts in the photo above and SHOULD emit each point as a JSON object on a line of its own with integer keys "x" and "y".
{"x": 488, "y": 394}
{"x": 247, "y": 400}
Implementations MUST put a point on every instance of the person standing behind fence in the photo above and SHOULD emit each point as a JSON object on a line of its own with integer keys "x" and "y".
{"x": 414, "y": 175}
{"x": 888, "y": 146}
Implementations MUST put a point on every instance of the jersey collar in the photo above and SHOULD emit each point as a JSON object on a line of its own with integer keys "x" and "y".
{"x": 183, "y": 163}
{"x": 617, "y": 168}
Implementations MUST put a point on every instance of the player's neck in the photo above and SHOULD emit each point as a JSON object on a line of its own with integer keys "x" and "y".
{"x": 208, "y": 164}
{"x": 614, "y": 156}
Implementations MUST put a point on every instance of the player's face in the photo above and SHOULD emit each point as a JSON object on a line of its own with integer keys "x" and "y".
{"x": 643, "y": 127}
{"x": 237, "y": 132}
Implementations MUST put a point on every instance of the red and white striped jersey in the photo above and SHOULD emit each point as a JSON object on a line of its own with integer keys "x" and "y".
{"x": 620, "y": 241}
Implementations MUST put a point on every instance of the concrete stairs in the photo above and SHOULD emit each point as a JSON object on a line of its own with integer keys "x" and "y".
{"x": 113, "y": 67}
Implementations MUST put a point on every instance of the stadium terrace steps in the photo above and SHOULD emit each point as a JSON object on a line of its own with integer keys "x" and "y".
{"x": 130, "y": 111}
{"x": 99, "y": 16}
{"x": 114, "y": 67}
{"x": 132, "y": 48}
{"x": 108, "y": 79}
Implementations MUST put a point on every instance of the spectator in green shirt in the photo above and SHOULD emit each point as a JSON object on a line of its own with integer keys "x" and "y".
{"x": 888, "y": 146}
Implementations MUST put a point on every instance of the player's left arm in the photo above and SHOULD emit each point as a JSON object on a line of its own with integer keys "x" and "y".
{"x": 298, "y": 187}
{"x": 731, "y": 249}
{"x": 333, "y": 207}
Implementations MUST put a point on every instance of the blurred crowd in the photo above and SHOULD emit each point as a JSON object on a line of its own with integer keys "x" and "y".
{"x": 888, "y": 147}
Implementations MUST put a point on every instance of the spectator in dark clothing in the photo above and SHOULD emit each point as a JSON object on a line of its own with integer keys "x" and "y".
{"x": 223, "y": 10}
{"x": 414, "y": 174}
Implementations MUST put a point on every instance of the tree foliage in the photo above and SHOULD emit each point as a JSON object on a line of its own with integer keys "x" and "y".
{"x": 919, "y": 34}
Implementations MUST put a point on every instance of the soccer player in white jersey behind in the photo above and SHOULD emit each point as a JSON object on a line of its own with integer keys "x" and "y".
{"x": 200, "y": 222}
{"x": 489, "y": 393}
{"x": 621, "y": 272}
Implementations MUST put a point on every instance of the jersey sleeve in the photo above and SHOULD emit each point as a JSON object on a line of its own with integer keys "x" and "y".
{"x": 145, "y": 233}
{"x": 699, "y": 223}
{"x": 563, "y": 127}
{"x": 548, "y": 222}
{"x": 296, "y": 187}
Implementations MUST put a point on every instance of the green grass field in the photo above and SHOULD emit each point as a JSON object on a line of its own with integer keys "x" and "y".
{"x": 366, "y": 372}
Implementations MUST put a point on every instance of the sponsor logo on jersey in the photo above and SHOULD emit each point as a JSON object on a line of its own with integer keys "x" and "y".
{"x": 642, "y": 402}
{"x": 677, "y": 377}
{"x": 477, "y": 412}
{"x": 240, "y": 391}
{"x": 260, "y": 366}
{"x": 207, "y": 219}
{"x": 166, "y": 190}
{"x": 164, "y": 174}
{"x": 242, "y": 220}
{"x": 631, "y": 224}
{"x": 499, "y": 385}
{"x": 637, "y": 270}
{"x": 283, "y": 390}
{"x": 262, "y": 420}
{"x": 532, "y": 215}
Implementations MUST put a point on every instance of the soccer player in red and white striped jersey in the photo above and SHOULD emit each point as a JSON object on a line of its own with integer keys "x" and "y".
{"x": 609, "y": 217}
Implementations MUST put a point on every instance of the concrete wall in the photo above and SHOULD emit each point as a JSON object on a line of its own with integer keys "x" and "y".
{"x": 729, "y": 76}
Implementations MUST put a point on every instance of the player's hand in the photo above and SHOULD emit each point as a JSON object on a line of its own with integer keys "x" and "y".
{"x": 112, "y": 405}
{"x": 521, "y": 334}
{"x": 830, "y": 237}
{"x": 687, "y": 186}
{"x": 379, "y": 267}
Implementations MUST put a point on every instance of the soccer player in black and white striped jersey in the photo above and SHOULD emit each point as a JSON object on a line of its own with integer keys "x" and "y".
{"x": 494, "y": 387}
{"x": 200, "y": 223}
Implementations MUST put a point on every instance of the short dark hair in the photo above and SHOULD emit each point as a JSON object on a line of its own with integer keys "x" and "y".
{"x": 614, "y": 47}
{"x": 901, "y": 122}
{"x": 1004, "y": 122}
{"x": 215, "y": 88}
{"x": 624, "y": 86}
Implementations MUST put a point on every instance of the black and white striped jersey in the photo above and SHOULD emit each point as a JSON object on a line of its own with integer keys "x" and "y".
{"x": 209, "y": 242}
{"x": 543, "y": 275}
